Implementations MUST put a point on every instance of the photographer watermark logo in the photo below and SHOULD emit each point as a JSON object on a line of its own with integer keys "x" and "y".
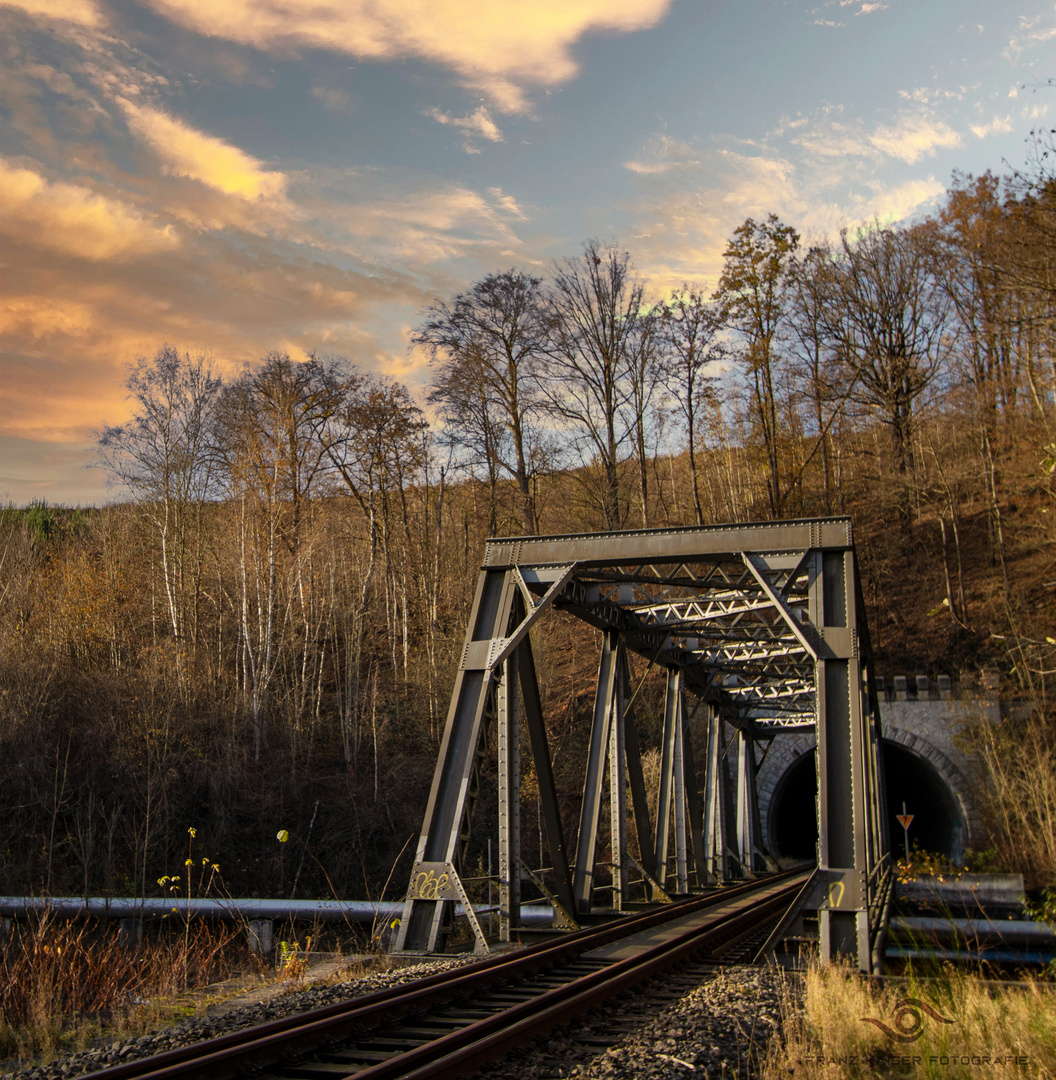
{"x": 909, "y": 1024}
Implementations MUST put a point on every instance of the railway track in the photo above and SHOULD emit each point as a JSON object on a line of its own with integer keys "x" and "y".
{"x": 448, "y": 1025}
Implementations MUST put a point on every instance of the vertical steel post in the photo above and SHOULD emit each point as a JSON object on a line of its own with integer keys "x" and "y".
{"x": 594, "y": 780}
{"x": 449, "y": 806}
{"x": 636, "y": 778}
{"x": 715, "y": 801}
{"x": 509, "y": 783}
{"x": 667, "y": 775}
{"x": 533, "y": 720}
{"x": 744, "y": 825}
{"x": 747, "y": 805}
{"x": 679, "y": 776}
{"x": 693, "y": 810}
{"x": 618, "y": 788}
{"x": 843, "y": 744}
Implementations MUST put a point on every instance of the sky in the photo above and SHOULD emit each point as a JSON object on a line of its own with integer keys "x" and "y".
{"x": 238, "y": 176}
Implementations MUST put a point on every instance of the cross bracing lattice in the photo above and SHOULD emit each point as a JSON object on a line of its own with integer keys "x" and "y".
{"x": 762, "y": 626}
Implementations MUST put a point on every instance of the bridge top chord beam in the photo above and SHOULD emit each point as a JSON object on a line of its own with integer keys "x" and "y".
{"x": 664, "y": 546}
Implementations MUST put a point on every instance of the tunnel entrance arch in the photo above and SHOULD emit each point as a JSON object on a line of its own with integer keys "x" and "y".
{"x": 938, "y": 818}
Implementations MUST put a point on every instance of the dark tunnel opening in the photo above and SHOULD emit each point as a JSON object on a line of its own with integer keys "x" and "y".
{"x": 908, "y": 779}
{"x": 794, "y": 811}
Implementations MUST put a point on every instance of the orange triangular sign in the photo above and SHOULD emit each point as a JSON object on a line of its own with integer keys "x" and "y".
{"x": 905, "y": 820}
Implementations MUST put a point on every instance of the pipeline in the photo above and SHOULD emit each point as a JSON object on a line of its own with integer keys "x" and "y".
{"x": 246, "y": 909}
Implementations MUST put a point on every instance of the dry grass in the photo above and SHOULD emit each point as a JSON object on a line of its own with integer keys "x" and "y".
{"x": 63, "y": 985}
{"x": 994, "y": 1031}
{"x": 1019, "y": 762}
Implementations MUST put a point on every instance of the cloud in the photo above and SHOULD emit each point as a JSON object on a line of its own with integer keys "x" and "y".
{"x": 82, "y": 12}
{"x": 423, "y": 226}
{"x": 399, "y": 217}
{"x": 507, "y": 203}
{"x": 498, "y": 49}
{"x": 890, "y": 205}
{"x": 684, "y": 218}
{"x": 334, "y": 100}
{"x": 832, "y": 139}
{"x": 42, "y": 317}
{"x": 65, "y": 350}
{"x": 661, "y": 154}
{"x": 914, "y": 137}
{"x": 928, "y": 95}
{"x": 73, "y": 219}
{"x": 477, "y": 123}
{"x": 1030, "y": 34}
{"x": 187, "y": 152}
{"x": 1000, "y": 125}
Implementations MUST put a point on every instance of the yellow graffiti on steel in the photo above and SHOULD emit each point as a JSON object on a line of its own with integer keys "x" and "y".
{"x": 429, "y": 885}
{"x": 836, "y": 890}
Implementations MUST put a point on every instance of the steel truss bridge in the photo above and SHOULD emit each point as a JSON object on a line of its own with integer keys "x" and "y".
{"x": 760, "y": 625}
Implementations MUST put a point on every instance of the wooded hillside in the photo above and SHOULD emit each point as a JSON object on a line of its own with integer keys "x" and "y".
{"x": 261, "y": 633}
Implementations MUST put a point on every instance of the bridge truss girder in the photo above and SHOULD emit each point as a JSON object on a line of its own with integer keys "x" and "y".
{"x": 762, "y": 625}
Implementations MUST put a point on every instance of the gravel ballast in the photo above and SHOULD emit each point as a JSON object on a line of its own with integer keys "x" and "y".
{"x": 720, "y": 1029}
{"x": 227, "y": 1017}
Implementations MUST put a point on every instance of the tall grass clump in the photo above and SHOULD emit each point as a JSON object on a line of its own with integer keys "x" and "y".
{"x": 62, "y": 981}
{"x": 1018, "y": 757}
{"x": 954, "y": 1026}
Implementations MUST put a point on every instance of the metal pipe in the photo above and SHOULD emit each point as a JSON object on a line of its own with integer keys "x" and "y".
{"x": 994, "y": 956}
{"x": 111, "y": 907}
{"x": 1009, "y": 931}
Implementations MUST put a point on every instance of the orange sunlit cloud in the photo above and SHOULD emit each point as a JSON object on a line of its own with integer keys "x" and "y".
{"x": 496, "y": 48}
{"x": 190, "y": 153}
{"x": 75, "y": 220}
{"x": 83, "y": 12}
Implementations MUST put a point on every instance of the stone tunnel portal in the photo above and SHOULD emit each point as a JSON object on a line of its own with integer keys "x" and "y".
{"x": 937, "y": 826}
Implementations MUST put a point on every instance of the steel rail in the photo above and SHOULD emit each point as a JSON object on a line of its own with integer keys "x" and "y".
{"x": 460, "y": 1053}
{"x": 269, "y": 1044}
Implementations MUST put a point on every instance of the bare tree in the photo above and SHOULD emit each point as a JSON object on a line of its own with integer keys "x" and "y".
{"x": 813, "y": 347}
{"x": 275, "y": 421}
{"x": 593, "y": 310}
{"x": 690, "y": 330}
{"x": 753, "y": 295}
{"x": 486, "y": 346}
{"x": 472, "y": 428}
{"x": 376, "y": 445}
{"x": 890, "y": 321}
{"x": 645, "y": 386}
{"x": 166, "y": 457}
{"x": 978, "y": 236}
